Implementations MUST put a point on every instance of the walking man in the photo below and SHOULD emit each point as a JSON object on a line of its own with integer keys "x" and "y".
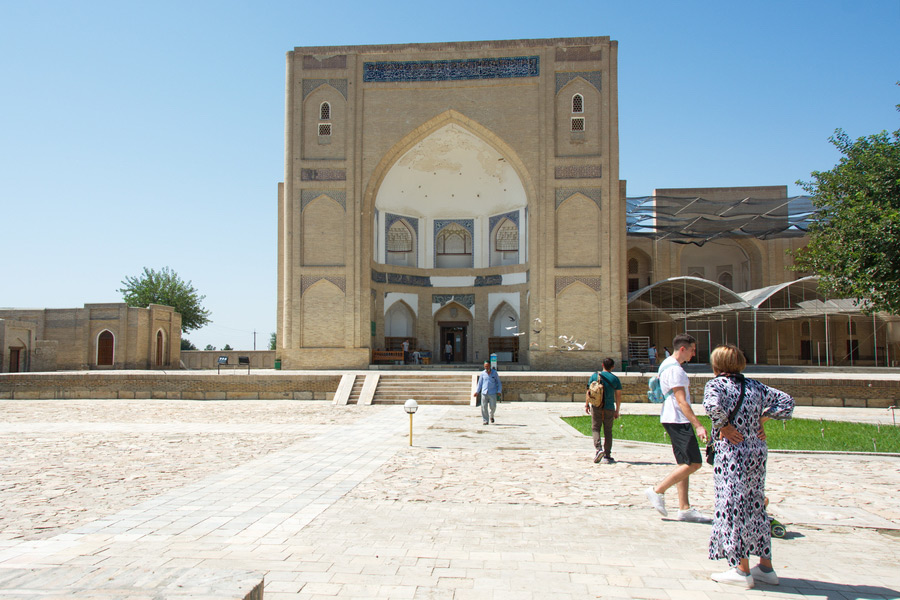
{"x": 651, "y": 355}
{"x": 680, "y": 423}
{"x": 448, "y": 351}
{"x": 488, "y": 386}
{"x": 405, "y": 346}
{"x": 602, "y": 417}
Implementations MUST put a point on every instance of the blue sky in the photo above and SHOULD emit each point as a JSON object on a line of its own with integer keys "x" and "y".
{"x": 151, "y": 134}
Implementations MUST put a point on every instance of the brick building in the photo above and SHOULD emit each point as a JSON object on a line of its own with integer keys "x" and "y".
{"x": 461, "y": 192}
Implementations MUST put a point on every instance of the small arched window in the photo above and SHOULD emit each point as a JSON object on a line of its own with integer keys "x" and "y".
{"x": 507, "y": 239}
{"x": 399, "y": 238}
{"x": 577, "y": 103}
{"x": 454, "y": 239}
{"x": 325, "y": 111}
{"x": 726, "y": 280}
{"x": 632, "y": 266}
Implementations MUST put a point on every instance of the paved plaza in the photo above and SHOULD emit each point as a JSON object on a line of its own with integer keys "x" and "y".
{"x": 102, "y": 498}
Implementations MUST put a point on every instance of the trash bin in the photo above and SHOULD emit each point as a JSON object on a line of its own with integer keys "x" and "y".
{"x": 277, "y": 364}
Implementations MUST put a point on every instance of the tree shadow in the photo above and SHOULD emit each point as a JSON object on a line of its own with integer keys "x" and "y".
{"x": 812, "y": 588}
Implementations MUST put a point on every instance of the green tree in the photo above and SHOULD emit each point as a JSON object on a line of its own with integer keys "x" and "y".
{"x": 187, "y": 345}
{"x": 209, "y": 347}
{"x": 165, "y": 287}
{"x": 227, "y": 347}
{"x": 854, "y": 240}
{"x": 272, "y": 341}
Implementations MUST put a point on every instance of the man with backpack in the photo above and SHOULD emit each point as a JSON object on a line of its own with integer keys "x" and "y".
{"x": 680, "y": 423}
{"x": 602, "y": 403}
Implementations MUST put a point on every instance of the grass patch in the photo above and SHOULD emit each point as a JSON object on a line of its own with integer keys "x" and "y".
{"x": 796, "y": 434}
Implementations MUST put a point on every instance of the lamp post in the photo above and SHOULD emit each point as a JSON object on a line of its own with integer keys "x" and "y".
{"x": 411, "y": 407}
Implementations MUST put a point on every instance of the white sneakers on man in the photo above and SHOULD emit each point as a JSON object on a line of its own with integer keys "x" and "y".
{"x": 734, "y": 576}
{"x": 692, "y": 515}
{"x": 657, "y": 501}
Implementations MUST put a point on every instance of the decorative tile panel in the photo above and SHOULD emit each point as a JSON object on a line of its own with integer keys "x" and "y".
{"x": 451, "y": 70}
{"x": 578, "y": 172}
{"x": 413, "y": 280}
{"x": 563, "y": 282}
{"x": 311, "y": 84}
{"x": 488, "y": 280}
{"x": 401, "y": 279}
{"x": 329, "y": 62}
{"x": 562, "y": 194}
{"x": 467, "y": 300}
{"x": 323, "y": 175}
{"x": 307, "y": 196}
{"x": 307, "y": 280}
{"x": 592, "y": 77}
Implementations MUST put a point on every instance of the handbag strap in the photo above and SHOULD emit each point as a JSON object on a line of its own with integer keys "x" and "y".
{"x": 737, "y": 406}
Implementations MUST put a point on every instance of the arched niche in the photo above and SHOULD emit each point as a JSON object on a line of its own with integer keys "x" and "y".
{"x": 578, "y": 315}
{"x": 578, "y": 232}
{"x": 322, "y": 316}
{"x": 323, "y": 225}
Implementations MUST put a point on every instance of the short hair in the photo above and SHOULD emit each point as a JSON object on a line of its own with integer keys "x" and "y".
{"x": 608, "y": 363}
{"x": 727, "y": 358}
{"x": 683, "y": 339}
{"x": 487, "y": 362}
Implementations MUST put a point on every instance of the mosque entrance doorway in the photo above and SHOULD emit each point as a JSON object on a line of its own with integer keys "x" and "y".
{"x": 455, "y": 334}
{"x": 14, "y": 360}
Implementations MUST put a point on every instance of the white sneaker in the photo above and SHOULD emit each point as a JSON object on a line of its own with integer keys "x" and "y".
{"x": 769, "y": 578}
{"x": 692, "y": 515}
{"x": 657, "y": 501}
{"x": 734, "y": 576}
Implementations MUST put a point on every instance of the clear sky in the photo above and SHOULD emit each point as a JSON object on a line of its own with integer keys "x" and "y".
{"x": 138, "y": 134}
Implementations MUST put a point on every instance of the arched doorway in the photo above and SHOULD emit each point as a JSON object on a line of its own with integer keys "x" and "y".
{"x": 160, "y": 344}
{"x": 453, "y": 324}
{"x": 106, "y": 347}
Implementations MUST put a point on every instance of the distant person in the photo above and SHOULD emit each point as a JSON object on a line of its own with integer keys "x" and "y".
{"x": 488, "y": 386}
{"x": 678, "y": 419}
{"x": 405, "y": 346}
{"x": 448, "y": 352}
{"x": 602, "y": 417}
{"x": 666, "y": 350}
{"x": 651, "y": 355}
{"x": 738, "y": 407}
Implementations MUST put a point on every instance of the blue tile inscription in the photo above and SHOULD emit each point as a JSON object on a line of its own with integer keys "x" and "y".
{"x": 451, "y": 70}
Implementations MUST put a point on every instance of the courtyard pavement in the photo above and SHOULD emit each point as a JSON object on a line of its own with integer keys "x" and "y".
{"x": 107, "y": 498}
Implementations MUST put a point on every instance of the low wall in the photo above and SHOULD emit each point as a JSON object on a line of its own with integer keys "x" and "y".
{"x": 208, "y": 359}
{"x": 809, "y": 390}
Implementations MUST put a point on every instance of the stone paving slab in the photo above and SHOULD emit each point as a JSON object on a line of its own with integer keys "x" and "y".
{"x": 347, "y": 509}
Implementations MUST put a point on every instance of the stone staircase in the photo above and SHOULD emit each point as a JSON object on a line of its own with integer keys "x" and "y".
{"x": 389, "y": 388}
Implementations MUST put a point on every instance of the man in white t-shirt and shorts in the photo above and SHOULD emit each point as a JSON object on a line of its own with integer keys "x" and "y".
{"x": 680, "y": 423}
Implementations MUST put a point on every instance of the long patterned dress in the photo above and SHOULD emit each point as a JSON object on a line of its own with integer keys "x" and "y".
{"x": 741, "y": 525}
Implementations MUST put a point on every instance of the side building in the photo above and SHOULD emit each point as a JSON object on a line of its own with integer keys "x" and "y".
{"x": 463, "y": 194}
{"x": 98, "y": 336}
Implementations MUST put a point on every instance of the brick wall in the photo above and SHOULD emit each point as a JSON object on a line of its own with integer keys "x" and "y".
{"x": 551, "y": 387}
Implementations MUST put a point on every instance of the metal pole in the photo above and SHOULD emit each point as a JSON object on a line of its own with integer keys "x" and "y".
{"x": 875, "y": 337}
{"x": 755, "y": 340}
{"x": 410, "y": 428}
{"x": 850, "y": 336}
{"x": 778, "y": 341}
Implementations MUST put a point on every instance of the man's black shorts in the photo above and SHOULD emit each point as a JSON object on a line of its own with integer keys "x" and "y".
{"x": 684, "y": 443}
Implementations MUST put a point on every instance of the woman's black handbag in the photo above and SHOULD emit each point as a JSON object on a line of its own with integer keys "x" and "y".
{"x": 711, "y": 444}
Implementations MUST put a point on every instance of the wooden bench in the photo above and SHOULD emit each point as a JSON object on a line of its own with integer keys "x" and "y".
{"x": 389, "y": 356}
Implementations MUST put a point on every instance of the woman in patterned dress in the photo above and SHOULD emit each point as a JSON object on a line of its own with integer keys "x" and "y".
{"x": 741, "y": 525}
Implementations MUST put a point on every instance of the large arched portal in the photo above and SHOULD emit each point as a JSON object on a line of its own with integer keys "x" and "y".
{"x": 454, "y": 189}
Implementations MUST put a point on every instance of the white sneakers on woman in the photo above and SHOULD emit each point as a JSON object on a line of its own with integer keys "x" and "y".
{"x": 761, "y": 576}
{"x": 734, "y": 576}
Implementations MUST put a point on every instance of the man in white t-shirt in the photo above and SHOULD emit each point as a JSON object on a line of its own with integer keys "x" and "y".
{"x": 680, "y": 423}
